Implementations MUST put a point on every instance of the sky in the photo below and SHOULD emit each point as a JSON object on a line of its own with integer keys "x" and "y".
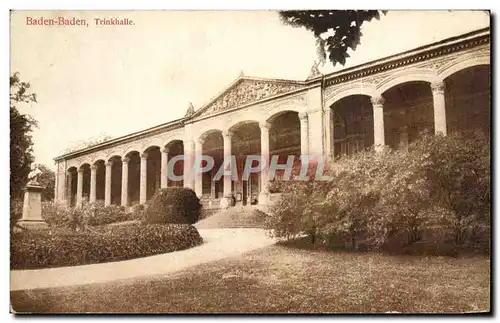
{"x": 115, "y": 80}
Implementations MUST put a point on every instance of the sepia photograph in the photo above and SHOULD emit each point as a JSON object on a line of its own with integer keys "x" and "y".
{"x": 250, "y": 162}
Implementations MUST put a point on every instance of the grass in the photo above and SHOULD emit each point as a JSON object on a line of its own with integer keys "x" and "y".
{"x": 281, "y": 279}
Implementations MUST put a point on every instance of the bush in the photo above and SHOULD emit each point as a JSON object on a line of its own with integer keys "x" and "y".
{"x": 77, "y": 218}
{"x": 173, "y": 205}
{"x": 58, "y": 216}
{"x": 45, "y": 249}
{"x": 396, "y": 200}
{"x": 137, "y": 212}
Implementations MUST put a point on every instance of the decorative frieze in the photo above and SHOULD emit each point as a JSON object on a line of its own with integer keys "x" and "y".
{"x": 247, "y": 91}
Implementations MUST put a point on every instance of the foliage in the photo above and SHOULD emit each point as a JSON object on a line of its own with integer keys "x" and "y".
{"x": 88, "y": 215}
{"x": 45, "y": 249}
{"x": 58, "y": 216}
{"x": 459, "y": 179}
{"x": 173, "y": 205}
{"x": 433, "y": 197}
{"x": 335, "y": 30}
{"x": 100, "y": 215}
{"x": 21, "y": 141}
{"x": 137, "y": 212}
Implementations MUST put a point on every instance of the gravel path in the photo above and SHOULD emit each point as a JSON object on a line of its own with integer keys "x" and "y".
{"x": 218, "y": 244}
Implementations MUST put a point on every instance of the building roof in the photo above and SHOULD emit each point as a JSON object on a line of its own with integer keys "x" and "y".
{"x": 372, "y": 67}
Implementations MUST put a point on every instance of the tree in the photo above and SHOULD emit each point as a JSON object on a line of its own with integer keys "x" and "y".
{"x": 335, "y": 30}
{"x": 47, "y": 180}
{"x": 21, "y": 141}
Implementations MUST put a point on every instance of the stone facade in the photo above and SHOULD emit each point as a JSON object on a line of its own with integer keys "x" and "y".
{"x": 253, "y": 102}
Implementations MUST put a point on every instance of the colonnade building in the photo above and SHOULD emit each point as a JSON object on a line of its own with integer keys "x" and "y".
{"x": 443, "y": 87}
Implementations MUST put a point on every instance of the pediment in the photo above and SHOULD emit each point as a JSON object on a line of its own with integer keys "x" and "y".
{"x": 247, "y": 90}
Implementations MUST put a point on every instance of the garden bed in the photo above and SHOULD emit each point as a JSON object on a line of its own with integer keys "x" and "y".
{"x": 58, "y": 248}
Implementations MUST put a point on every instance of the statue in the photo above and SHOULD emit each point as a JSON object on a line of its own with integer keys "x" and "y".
{"x": 32, "y": 206}
{"x": 34, "y": 175}
{"x": 314, "y": 70}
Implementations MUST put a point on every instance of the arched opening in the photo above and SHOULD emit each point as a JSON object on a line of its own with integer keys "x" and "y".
{"x": 100, "y": 181}
{"x": 153, "y": 180}
{"x": 213, "y": 146}
{"x": 176, "y": 148}
{"x": 284, "y": 139}
{"x": 134, "y": 177}
{"x": 71, "y": 181}
{"x": 352, "y": 122}
{"x": 116, "y": 180}
{"x": 468, "y": 100}
{"x": 86, "y": 183}
{"x": 245, "y": 141}
{"x": 408, "y": 113}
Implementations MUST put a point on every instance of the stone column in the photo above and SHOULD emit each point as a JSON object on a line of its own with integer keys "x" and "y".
{"x": 304, "y": 133}
{"x": 144, "y": 178}
{"x": 330, "y": 131}
{"x": 378, "y": 122}
{"x": 439, "y": 107}
{"x": 188, "y": 163}
{"x": 198, "y": 178}
{"x": 264, "y": 174}
{"x": 124, "y": 198}
{"x": 79, "y": 188}
{"x": 93, "y": 184}
{"x": 69, "y": 184}
{"x": 164, "y": 168}
{"x": 107, "y": 187}
{"x": 226, "y": 199}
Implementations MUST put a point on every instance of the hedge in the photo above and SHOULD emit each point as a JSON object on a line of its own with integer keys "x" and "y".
{"x": 46, "y": 249}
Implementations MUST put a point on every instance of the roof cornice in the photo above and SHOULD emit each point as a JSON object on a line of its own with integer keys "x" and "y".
{"x": 436, "y": 49}
{"x": 443, "y": 47}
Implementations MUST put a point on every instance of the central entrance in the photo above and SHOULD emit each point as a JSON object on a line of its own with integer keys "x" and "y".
{"x": 245, "y": 141}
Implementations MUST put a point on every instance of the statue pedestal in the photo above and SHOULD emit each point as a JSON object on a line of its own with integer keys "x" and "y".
{"x": 32, "y": 208}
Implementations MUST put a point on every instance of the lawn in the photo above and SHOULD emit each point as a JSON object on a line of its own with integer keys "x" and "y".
{"x": 282, "y": 279}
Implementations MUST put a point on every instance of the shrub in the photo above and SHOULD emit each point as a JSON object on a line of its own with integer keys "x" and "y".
{"x": 100, "y": 215}
{"x": 396, "y": 200}
{"x": 173, "y": 205}
{"x": 137, "y": 212}
{"x": 58, "y": 216}
{"x": 56, "y": 248}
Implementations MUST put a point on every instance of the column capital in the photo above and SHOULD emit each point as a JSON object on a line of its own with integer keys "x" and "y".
{"x": 165, "y": 150}
{"x": 227, "y": 133}
{"x": 200, "y": 140}
{"x": 438, "y": 87}
{"x": 125, "y": 160}
{"x": 93, "y": 167}
{"x": 303, "y": 116}
{"x": 109, "y": 163}
{"x": 144, "y": 156}
{"x": 80, "y": 170}
{"x": 264, "y": 125}
{"x": 377, "y": 100}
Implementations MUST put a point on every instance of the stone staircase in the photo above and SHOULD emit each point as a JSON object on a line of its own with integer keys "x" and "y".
{"x": 234, "y": 217}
